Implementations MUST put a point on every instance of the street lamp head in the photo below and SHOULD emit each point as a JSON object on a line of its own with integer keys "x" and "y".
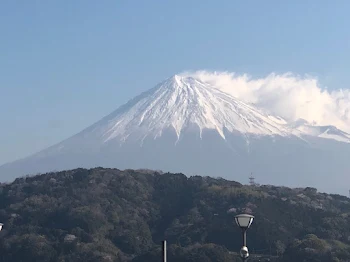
{"x": 1, "y": 224}
{"x": 244, "y": 221}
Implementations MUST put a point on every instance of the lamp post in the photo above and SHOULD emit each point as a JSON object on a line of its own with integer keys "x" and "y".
{"x": 244, "y": 221}
{"x": 164, "y": 251}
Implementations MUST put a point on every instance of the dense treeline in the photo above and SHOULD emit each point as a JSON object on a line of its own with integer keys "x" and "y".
{"x": 112, "y": 215}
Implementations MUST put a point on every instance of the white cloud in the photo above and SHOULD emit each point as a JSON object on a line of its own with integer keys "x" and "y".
{"x": 287, "y": 95}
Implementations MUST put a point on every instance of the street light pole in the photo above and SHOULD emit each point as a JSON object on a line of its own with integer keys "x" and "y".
{"x": 164, "y": 251}
{"x": 244, "y": 221}
{"x": 244, "y": 233}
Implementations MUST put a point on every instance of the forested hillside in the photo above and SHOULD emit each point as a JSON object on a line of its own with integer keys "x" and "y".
{"x": 112, "y": 215}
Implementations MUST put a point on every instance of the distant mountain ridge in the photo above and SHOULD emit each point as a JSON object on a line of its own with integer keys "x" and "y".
{"x": 184, "y": 124}
{"x": 112, "y": 215}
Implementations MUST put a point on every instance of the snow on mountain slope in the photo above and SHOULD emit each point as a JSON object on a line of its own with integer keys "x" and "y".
{"x": 181, "y": 102}
{"x": 329, "y": 132}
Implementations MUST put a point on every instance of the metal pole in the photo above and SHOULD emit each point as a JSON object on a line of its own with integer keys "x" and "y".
{"x": 244, "y": 237}
{"x": 164, "y": 251}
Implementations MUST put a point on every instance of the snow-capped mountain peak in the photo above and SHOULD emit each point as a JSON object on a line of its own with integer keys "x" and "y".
{"x": 181, "y": 102}
{"x": 186, "y": 125}
{"x": 328, "y": 132}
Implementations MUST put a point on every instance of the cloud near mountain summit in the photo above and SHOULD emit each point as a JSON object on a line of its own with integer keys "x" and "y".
{"x": 287, "y": 95}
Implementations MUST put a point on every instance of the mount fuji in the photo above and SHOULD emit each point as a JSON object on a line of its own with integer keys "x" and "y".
{"x": 186, "y": 125}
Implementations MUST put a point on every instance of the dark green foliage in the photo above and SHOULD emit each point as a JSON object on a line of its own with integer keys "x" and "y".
{"x": 112, "y": 215}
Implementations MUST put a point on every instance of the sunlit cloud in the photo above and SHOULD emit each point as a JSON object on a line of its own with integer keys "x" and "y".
{"x": 287, "y": 95}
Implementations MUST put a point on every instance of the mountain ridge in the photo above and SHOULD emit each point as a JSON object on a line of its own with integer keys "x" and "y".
{"x": 106, "y": 214}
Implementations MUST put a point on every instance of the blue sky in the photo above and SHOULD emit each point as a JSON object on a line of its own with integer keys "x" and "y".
{"x": 65, "y": 64}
